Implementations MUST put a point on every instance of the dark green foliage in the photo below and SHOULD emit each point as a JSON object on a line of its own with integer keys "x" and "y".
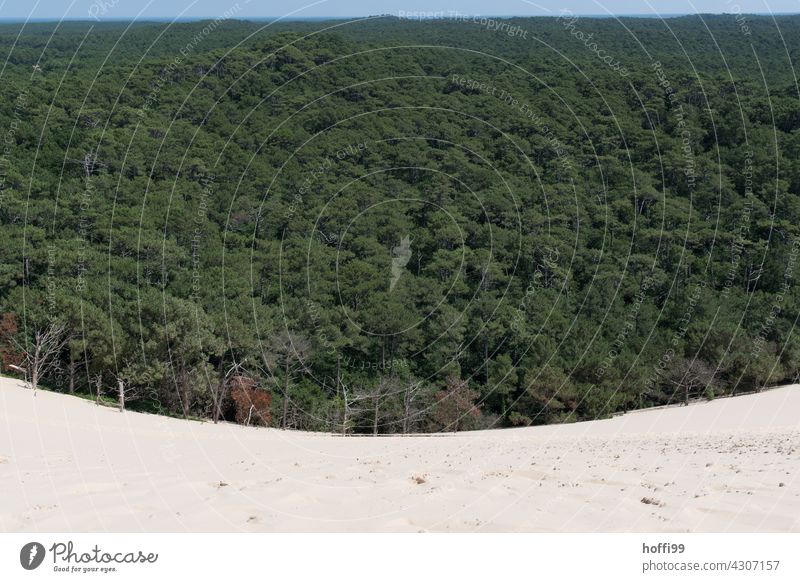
{"x": 388, "y": 237}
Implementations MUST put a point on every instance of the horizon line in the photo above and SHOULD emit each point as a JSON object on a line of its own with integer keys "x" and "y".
{"x": 458, "y": 16}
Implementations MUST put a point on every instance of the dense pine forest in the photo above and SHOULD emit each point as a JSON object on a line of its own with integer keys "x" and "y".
{"x": 391, "y": 225}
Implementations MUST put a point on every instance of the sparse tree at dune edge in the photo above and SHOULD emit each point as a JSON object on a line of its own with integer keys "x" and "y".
{"x": 42, "y": 355}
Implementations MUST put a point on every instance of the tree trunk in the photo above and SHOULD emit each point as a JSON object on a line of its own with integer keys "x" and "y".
{"x": 338, "y": 374}
{"x": 36, "y": 363}
{"x": 184, "y": 392}
{"x": 376, "y": 402}
{"x": 121, "y": 389}
{"x": 345, "y": 410}
{"x": 406, "y": 408}
{"x": 72, "y": 369}
{"x": 486, "y": 361}
{"x": 285, "y": 392}
{"x": 219, "y": 394}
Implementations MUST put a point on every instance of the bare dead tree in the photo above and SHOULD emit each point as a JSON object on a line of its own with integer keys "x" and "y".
{"x": 690, "y": 376}
{"x": 121, "y": 393}
{"x": 219, "y": 392}
{"x": 350, "y": 400}
{"x": 376, "y": 396}
{"x": 410, "y": 394}
{"x": 41, "y": 354}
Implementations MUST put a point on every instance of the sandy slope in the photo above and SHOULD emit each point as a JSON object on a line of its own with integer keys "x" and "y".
{"x": 729, "y": 465}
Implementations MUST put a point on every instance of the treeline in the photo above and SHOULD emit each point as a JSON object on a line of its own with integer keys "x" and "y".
{"x": 352, "y": 232}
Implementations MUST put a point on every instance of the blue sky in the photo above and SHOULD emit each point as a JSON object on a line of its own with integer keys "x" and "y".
{"x": 114, "y": 9}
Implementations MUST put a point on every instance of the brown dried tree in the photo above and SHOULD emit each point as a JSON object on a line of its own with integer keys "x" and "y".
{"x": 455, "y": 405}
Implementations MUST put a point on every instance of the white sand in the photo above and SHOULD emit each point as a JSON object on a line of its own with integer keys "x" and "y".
{"x": 728, "y": 465}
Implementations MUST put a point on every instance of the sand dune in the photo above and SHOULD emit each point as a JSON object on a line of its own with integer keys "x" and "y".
{"x": 728, "y": 465}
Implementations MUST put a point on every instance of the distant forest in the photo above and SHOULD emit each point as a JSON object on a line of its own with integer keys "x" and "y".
{"x": 393, "y": 226}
